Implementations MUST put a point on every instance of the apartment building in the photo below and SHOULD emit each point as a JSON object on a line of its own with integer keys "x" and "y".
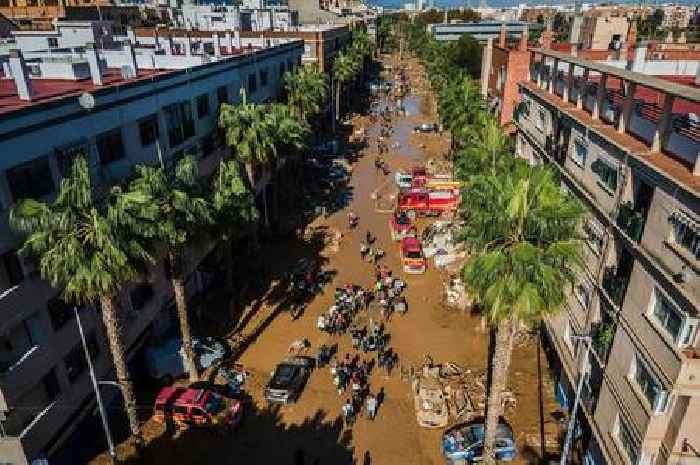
{"x": 116, "y": 105}
{"x": 624, "y": 145}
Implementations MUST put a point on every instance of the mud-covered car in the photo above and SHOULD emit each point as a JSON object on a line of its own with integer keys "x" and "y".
{"x": 430, "y": 402}
{"x": 288, "y": 380}
{"x": 426, "y": 127}
{"x": 466, "y": 443}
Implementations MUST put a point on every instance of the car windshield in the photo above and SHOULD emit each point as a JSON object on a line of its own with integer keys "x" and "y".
{"x": 472, "y": 435}
{"x": 402, "y": 219}
{"x": 285, "y": 373}
{"x": 213, "y": 403}
{"x": 414, "y": 254}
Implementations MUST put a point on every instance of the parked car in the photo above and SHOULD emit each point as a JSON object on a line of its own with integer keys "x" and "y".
{"x": 288, "y": 380}
{"x": 401, "y": 226}
{"x": 412, "y": 258}
{"x": 466, "y": 443}
{"x": 196, "y": 407}
{"x": 426, "y": 127}
{"x": 430, "y": 402}
{"x": 165, "y": 362}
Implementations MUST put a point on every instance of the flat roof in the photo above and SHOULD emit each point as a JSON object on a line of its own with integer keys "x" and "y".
{"x": 46, "y": 90}
{"x": 662, "y": 85}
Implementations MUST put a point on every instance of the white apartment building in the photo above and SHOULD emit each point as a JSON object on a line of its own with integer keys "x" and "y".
{"x": 140, "y": 94}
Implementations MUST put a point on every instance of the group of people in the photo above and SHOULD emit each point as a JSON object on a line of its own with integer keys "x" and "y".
{"x": 348, "y": 301}
{"x": 388, "y": 291}
{"x": 352, "y": 373}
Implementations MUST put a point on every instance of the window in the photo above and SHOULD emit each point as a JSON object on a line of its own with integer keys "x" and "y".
{"x": 30, "y": 180}
{"x": 263, "y": 78}
{"x": 53, "y": 389}
{"x": 222, "y": 95}
{"x": 626, "y": 440}
{"x": 583, "y": 293}
{"x": 59, "y": 313}
{"x": 686, "y": 233}
{"x": 67, "y": 154}
{"x": 594, "y": 235}
{"x": 579, "y": 154}
{"x": 203, "y": 106}
{"x": 180, "y": 410}
{"x": 649, "y": 386}
{"x": 13, "y": 268}
{"x": 53, "y": 42}
{"x": 606, "y": 173}
{"x": 281, "y": 70}
{"x": 678, "y": 326}
{"x": 148, "y": 130}
{"x": 75, "y": 360}
{"x": 541, "y": 119}
{"x": 252, "y": 83}
{"x": 179, "y": 122}
{"x": 110, "y": 147}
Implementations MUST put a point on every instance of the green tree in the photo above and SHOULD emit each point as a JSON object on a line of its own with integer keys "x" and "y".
{"x": 234, "y": 209}
{"x": 87, "y": 246}
{"x": 306, "y": 90}
{"x": 524, "y": 230}
{"x": 182, "y": 211}
{"x": 344, "y": 70}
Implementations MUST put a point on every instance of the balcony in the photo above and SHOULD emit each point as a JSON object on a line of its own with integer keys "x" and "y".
{"x": 631, "y": 221}
{"x": 688, "y": 383}
{"x": 615, "y": 284}
{"x": 602, "y": 337}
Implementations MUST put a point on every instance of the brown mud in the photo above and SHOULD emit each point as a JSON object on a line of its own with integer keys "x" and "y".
{"x": 313, "y": 425}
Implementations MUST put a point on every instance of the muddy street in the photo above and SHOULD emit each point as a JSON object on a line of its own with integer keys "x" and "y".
{"x": 313, "y": 426}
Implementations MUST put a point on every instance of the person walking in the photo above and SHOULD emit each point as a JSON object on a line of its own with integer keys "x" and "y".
{"x": 371, "y": 406}
{"x": 348, "y": 413}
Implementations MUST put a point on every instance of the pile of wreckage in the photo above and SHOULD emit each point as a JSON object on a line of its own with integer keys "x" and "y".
{"x": 449, "y": 391}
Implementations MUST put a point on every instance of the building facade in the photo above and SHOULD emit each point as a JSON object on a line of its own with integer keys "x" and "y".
{"x": 141, "y": 100}
{"x": 481, "y": 31}
{"x": 628, "y": 333}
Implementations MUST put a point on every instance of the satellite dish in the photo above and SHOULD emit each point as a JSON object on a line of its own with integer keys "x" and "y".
{"x": 86, "y": 100}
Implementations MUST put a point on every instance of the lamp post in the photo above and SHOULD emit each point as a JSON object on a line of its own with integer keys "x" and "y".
{"x": 96, "y": 388}
{"x": 577, "y": 399}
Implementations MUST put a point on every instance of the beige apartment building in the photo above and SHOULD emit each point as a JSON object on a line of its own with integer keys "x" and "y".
{"x": 634, "y": 164}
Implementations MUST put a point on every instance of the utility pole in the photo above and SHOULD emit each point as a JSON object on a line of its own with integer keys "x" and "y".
{"x": 96, "y": 387}
{"x": 577, "y": 399}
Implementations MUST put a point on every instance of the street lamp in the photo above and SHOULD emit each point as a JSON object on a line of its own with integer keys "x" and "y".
{"x": 577, "y": 399}
{"x": 96, "y": 388}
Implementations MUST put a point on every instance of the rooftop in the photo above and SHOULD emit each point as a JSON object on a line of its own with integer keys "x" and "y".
{"x": 670, "y": 166}
{"x": 662, "y": 85}
{"x": 47, "y": 90}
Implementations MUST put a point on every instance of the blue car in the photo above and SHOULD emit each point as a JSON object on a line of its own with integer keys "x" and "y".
{"x": 465, "y": 443}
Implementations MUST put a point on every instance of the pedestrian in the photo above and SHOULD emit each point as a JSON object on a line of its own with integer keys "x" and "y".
{"x": 369, "y": 238}
{"x": 380, "y": 397}
{"x": 348, "y": 413}
{"x": 371, "y": 406}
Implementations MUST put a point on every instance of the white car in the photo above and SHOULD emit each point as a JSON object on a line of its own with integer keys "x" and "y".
{"x": 403, "y": 180}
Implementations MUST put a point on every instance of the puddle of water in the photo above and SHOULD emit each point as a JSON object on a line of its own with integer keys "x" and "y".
{"x": 411, "y": 104}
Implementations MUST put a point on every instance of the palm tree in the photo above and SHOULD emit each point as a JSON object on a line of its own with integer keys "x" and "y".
{"x": 86, "y": 246}
{"x": 344, "y": 69}
{"x": 234, "y": 206}
{"x": 525, "y": 231}
{"x": 182, "y": 211}
{"x": 487, "y": 151}
{"x": 306, "y": 90}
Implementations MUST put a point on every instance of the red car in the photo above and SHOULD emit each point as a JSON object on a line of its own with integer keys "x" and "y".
{"x": 412, "y": 258}
{"x": 401, "y": 226}
{"x": 196, "y": 407}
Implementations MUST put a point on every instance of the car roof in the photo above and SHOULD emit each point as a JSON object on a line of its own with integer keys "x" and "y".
{"x": 182, "y": 396}
{"x": 410, "y": 243}
{"x": 503, "y": 431}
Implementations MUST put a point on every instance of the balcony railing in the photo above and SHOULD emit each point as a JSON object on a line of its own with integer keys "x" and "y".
{"x": 631, "y": 221}
{"x": 615, "y": 285}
